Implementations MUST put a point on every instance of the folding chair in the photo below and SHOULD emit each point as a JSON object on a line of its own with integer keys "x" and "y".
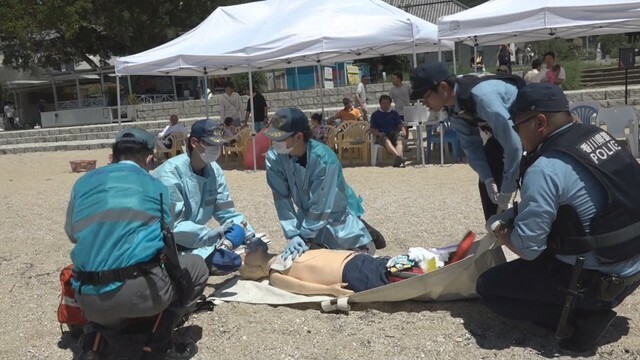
{"x": 586, "y": 113}
{"x": 177, "y": 140}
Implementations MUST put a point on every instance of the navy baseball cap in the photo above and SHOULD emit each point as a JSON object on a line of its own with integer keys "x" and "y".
{"x": 287, "y": 122}
{"x": 208, "y": 131}
{"x": 541, "y": 97}
{"x": 426, "y": 76}
{"x": 137, "y": 135}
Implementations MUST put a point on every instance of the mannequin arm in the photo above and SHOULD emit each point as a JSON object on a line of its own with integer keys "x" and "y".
{"x": 296, "y": 286}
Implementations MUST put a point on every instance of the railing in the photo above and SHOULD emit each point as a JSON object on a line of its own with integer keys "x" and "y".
{"x": 155, "y": 98}
{"x": 86, "y": 103}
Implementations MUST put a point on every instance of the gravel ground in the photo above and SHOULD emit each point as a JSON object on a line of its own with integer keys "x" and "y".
{"x": 431, "y": 206}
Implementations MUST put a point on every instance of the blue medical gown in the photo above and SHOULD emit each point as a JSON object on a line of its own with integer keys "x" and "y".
{"x": 195, "y": 200}
{"x": 315, "y": 202}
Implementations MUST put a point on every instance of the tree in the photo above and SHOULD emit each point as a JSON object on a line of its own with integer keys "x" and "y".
{"x": 48, "y": 33}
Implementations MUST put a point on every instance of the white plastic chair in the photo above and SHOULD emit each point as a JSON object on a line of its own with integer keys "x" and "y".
{"x": 618, "y": 119}
{"x": 374, "y": 149}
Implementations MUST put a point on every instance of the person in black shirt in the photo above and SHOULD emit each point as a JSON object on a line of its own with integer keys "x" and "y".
{"x": 260, "y": 109}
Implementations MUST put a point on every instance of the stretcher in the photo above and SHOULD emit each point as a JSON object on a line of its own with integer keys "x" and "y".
{"x": 455, "y": 281}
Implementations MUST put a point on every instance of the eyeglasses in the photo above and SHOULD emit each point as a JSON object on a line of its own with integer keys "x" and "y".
{"x": 516, "y": 126}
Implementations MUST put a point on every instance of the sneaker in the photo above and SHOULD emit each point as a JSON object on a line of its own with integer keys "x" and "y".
{"x": 587, "y": 331}
{"x": 177, "y": 351}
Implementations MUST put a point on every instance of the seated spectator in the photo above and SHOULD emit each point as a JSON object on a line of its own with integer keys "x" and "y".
{"x": 349, "y": 113}
{"x": 173, "y": 127}
{"x": 319, "y": 130}
{"x": 230, "y": 132}
{"x": 386, "y": 126}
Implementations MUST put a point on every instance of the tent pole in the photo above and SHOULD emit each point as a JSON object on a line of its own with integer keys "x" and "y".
{"x": 129, "y": 83}
{"x": 321, "y": 88}
{"x": 206, "y": 97}
{"x": 475, "y": 54}
{"x": 439, "y": 52}
{"x": 55, "y": 93}
{"x": 253, "y": 124}
{"x": 102, "y": 87}
{"x": 455, "y": 68}
{"x": 413, "y": 46}
{"x": 175, "y": 93}
{"x": 118, "y": 99}
{"x": 78, "y": 92}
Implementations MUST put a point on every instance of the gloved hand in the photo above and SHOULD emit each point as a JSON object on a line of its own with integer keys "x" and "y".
{"x": 504, "y": 217}
{"x": 217, "y": 233}
{"x": 492, "y": 190}
{"x": 504, "y": 200}
{"x": 235, "y": 234}
{"x": 295, "y": 248}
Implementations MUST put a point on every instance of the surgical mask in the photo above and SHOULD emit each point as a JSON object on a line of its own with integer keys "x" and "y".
{"x": 281, "y": 147}
{"x": 211, "y": 154}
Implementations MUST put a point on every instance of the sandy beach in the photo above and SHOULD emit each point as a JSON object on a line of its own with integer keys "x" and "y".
{"x": 431, "y": 206}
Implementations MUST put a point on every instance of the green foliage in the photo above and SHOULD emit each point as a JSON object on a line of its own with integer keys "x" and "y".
{"x": 609, "y": 44}
{"x": 241, "y": 82}
{"x": 388, "y": 64}
{"x": 47, "y": 33}
{"x": 573, "y": 69}
{"x": 565, "y": 50}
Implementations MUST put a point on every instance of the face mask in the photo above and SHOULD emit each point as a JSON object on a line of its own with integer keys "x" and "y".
{"x": 211, "y": 154}
{"x": 281, "y": 147}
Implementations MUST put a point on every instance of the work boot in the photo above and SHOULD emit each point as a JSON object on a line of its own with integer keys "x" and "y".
{"x": 176, "y": 351}
{"x": 587, "y": 330}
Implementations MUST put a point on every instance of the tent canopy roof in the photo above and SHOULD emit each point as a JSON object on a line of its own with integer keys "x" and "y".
{"x": 507, "y": 21}
{"x": 284, "y": 33}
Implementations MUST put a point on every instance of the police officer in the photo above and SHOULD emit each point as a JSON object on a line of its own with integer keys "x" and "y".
{"x": 477, "y": 105}
{"x": 199, "y": 192}
{"x": 579, "y": 198}
{"x": 114, "y": 220}
{"x": 313, "y": 201}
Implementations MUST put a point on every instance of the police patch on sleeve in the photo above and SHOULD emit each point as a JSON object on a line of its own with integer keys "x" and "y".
{"x": 600, "y": 147}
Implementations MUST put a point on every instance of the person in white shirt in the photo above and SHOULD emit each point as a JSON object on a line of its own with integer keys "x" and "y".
{"x": 549, "y": 59}
{"x": 173, "y": 127}
{"x": 361, "y": 97}
{"x": 400, "y": 93}
{"x": 534, "y": 76}
{"x": 231, "y": 104}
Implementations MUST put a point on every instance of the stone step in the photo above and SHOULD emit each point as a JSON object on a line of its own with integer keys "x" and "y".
{"x": 67, "y": 137}
{"x": 31, "y": 133}
{"x": 604, "y": 70}
{"x": 56, "y": 146}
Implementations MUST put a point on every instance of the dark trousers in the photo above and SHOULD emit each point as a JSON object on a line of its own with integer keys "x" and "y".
{"x": 531, "y": 290}
{"x": 495, "y": 158}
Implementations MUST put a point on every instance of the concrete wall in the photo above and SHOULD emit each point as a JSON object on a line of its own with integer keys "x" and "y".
{"x": 310, "y": 100}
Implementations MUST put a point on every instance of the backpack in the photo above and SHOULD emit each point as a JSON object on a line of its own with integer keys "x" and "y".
{"x": 69, "y": 312}
{"x": 465, "y": 99}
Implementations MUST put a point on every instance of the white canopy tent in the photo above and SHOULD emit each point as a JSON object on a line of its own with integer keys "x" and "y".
{"x": 507, "y": 21}
{"x": 282, "y": 33}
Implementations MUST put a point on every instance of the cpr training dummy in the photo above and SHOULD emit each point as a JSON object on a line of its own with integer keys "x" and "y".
{"x": 337, "y": 272}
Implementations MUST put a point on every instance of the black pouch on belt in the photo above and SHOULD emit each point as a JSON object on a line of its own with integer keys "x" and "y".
{"x": 609, "y": 286}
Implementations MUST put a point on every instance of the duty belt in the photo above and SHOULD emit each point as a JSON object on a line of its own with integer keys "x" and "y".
{"x": 118, "y": 275}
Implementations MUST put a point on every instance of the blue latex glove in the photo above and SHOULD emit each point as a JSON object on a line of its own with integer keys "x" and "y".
{"x": 235, "y": 234}
{"x": 295, "y": 248}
